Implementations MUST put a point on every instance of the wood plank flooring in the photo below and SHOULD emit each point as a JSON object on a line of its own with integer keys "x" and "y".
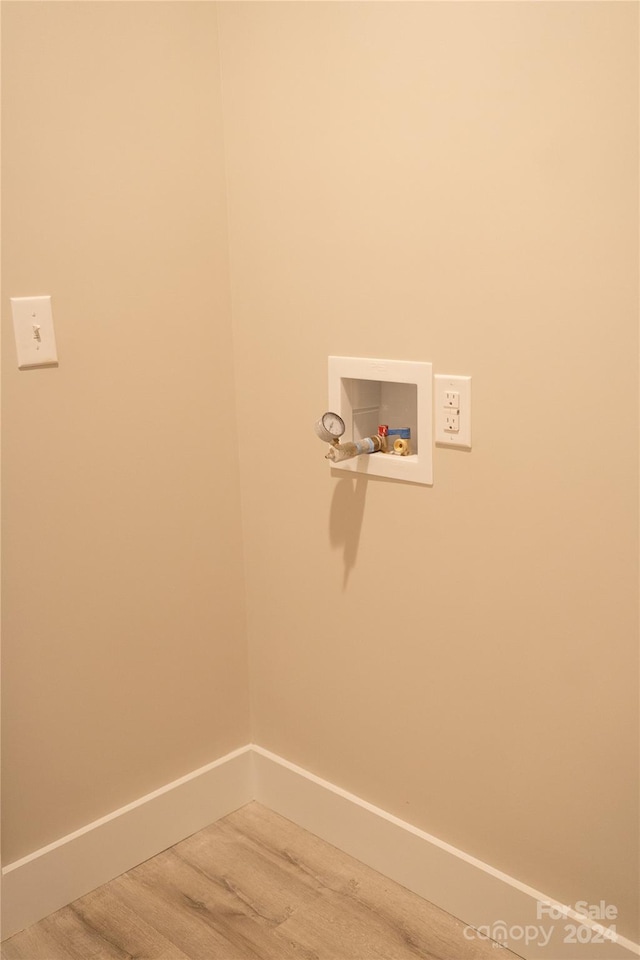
{"x": 252, "y": 885}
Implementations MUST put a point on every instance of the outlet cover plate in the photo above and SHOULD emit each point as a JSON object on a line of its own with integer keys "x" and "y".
{"x": 445, "y": 384}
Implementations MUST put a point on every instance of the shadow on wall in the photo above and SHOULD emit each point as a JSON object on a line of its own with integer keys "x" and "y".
{"x": 345, "y": 520}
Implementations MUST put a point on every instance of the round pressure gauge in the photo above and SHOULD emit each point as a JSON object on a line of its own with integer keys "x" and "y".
{"x": 329, "y": 427}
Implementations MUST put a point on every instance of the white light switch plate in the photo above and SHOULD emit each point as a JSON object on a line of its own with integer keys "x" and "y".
{"x": 33, "y": 328}
{"x": 446, "y": 388}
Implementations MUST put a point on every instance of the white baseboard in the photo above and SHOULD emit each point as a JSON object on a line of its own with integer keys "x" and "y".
{"x": 59, "y": 873}
{"x": 472, "y": 891}
{"x": 476, "y": 893}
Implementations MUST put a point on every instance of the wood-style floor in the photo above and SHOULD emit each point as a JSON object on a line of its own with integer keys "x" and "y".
{"x": 251, "y": 885}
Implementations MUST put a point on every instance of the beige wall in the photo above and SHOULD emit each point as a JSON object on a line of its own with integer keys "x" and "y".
{"x": 445, "y": 182}
{"x": 454, "y": 183}
{"x": 123, "y": 645}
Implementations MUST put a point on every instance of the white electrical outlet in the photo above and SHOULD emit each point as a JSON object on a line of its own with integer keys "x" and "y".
{"x": 452, "y": 421}
{"x": 33, "y": 328}
{"x": 452, "y": 405}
